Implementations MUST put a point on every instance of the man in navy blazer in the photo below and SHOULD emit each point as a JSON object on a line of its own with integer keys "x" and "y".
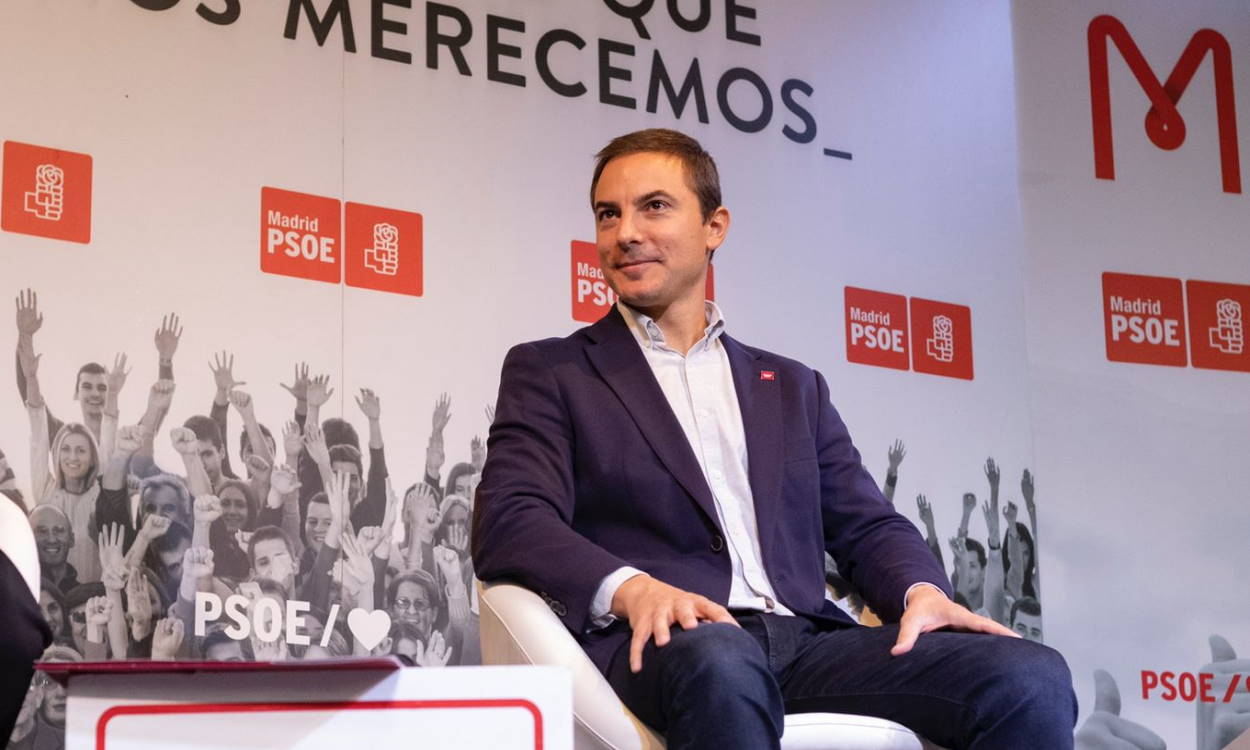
{"x": 649, "y": 471}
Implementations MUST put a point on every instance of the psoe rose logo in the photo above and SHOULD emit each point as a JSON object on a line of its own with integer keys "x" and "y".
{"x": 1229, "y": 333}
{"x": 46, "y": 192}
{"x": 384, "y": 249}
{"x": 383, "y": 255}
{"x": 47, "y": 200}
{"x": 1217, "y": 325}
{"x": 946, "y": 329}
{"x": 942, "y": 346}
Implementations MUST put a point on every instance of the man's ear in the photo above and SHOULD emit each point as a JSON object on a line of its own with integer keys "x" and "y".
{"x": 717, "y": 226}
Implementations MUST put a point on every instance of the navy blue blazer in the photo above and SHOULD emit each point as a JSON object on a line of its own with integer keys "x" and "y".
{"x": 588, "y": 470}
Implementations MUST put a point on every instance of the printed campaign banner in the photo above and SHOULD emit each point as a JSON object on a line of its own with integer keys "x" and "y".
{"x": 1134, "y": 223}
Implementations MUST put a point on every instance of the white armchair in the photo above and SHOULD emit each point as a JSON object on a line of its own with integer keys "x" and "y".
{"x": 517, "y": 627}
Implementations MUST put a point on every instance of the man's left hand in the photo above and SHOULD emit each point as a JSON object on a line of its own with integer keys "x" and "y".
{"x": 929, "y": 609}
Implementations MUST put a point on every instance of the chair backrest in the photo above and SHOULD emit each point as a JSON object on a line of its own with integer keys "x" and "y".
{"x": 517, "y": 627}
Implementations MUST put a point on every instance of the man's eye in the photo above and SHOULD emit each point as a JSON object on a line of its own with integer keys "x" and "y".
{"x": 604, "y": 215}
{"x": 657, "y": 205}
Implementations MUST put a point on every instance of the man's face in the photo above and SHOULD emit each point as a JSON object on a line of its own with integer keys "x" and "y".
{"x": 412, "y": 603}
{"x": 211, "y": 458}
{"x": 53, "y": 536}
{"x": 171, "y": 562}
{"x": 317, "y": 524}
{"x": 78, "y": 626}
{"x": 92, "y": 388}
{"x": 353, "y": 478}
{"x": 163, "y": 500}
{"x": 973, "y": 572}
{"x": 233, "y": 508}
{"x": 52, "y": 613}
{"x": 53, "y": 707}
{"x": 273, "y": 560}
{"x": 1028, "y": 626}
{"x": 652, "y": 240}
{"x": 75, "y": 456}
{"x": 457, "y": 516}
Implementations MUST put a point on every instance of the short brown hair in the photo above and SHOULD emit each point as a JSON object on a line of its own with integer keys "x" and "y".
{"x": 701, "y": 174}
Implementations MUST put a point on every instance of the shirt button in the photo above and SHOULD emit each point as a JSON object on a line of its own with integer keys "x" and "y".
{"x": 718, "y": 543}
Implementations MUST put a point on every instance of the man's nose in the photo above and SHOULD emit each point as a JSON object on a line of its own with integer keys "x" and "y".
{"x": 628, "y": 231}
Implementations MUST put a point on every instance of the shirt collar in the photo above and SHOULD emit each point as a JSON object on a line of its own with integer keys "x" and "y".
{"x": 649, "y": 336}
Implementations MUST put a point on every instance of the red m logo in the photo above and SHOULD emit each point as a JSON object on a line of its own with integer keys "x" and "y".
{"x": 1164, "y": 125}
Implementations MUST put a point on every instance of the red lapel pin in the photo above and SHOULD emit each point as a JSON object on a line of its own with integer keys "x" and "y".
{"x": 767, "y": 375}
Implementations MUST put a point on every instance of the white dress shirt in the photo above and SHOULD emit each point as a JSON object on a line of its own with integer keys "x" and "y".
{"x": 699, "y": 388}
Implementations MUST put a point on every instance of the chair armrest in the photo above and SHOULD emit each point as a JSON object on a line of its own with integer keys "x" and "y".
{"x": 517, "y": 627}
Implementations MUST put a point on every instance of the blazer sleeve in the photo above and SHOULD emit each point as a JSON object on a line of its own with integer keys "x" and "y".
{"x": 523, "y": 515}
{"x": 877, "y": 549}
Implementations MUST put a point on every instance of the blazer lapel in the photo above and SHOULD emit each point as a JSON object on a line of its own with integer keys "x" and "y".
{"x": 759, "y": 398}
{"x": 620, "y": 362}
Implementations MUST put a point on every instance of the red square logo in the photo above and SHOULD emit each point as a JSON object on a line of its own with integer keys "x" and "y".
{"x": 300, "y": 235}
{"x": 1217, "y": 325}
{"x": 592, "y": 297}
{"x": 384, "y": 249}
{"x": 943, "y": 338}
{"x": 47, "y": 192}
{"x": 876, "y": 328}
{"x": 1144, "y": 319}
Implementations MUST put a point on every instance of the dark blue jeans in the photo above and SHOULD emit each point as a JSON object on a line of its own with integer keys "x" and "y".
{"x": 723, "y": 687}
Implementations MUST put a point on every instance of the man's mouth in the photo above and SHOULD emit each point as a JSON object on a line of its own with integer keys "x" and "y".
{"x": 632, "y": 262}
{"x": 53, "y": 548}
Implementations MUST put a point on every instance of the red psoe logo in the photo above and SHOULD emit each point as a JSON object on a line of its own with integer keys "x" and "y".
{"x": 876, "y": 328}
{"x": 47, "y": 192}
{"x": 592, "y": 297}
{"x": 942, "y": 333}
{"x": 300, "y": 235}
{"x": 1218, "y": 316}
{"x": 1144, "y": 319}
{"x": 1164, "y": 125}
{"x": 383, "y": 249}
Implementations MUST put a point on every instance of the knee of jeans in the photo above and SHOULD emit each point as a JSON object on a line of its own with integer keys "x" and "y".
{"x": 1033, "y": 669}
{"x": 717, "y": 650}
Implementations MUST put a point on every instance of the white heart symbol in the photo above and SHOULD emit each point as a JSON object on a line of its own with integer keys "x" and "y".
{"x": 369, "y": 627}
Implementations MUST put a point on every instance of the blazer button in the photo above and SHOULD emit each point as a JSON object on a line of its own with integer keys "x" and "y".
{"x": 718, "y": 543}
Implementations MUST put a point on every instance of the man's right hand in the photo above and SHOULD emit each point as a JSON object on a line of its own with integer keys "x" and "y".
{"x": 652, "y": 607}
